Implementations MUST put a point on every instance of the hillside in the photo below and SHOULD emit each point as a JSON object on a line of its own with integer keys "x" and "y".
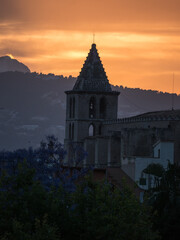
{"x": 9, "y": 64}
{"x": 33, "y": 105}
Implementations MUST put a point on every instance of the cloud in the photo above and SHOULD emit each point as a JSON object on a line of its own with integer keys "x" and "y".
{"x": 85, "y": 15}
{"x": 138, "y": 41}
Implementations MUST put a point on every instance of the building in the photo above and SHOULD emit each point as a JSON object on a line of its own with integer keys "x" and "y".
{"x": 134, "y": 166}
{"x": 91, "y": 123}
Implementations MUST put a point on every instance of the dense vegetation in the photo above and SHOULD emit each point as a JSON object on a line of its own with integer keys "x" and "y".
{"x": 165, "y": 200}
{"x": 39, "y": 199}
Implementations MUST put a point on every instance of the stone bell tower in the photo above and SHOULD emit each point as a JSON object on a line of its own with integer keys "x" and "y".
{"x": 89, "y": 103}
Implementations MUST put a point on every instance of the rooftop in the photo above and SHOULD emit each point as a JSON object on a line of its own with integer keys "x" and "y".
{"x": 173, "y": 114}
{"x": 166, "y": 115}
{"x": 92, "y": 76}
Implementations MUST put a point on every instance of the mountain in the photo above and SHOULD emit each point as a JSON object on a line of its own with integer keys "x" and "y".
{"x": 8, "y": 64}
{"x": 31, "y": 106}
{"x": 34, "y": 105}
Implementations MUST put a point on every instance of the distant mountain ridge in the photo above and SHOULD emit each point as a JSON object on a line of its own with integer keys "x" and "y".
{"x": 8, "y": 64}
{"x": 33, "y": 105}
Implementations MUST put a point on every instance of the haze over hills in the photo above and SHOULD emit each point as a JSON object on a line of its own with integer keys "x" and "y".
{"x": 33, "y": 105}
{"x": 9, "y": 64}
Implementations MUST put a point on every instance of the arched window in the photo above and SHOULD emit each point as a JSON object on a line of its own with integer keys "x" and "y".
{"x": 91, "y": 130}
{"x": 73, "y": 108}
{"x": 100, "y": 129}
{"x": 70, "y": 108}
{"x": 70, "y": 131}
{"x": 102, "y": 108}
{"x": 92, "y": 110}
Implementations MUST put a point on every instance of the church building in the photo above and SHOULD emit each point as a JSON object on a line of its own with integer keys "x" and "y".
{"x": 92, "y": 124}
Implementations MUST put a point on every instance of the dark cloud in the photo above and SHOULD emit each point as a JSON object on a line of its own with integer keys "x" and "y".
{"x": 91, "y": 15}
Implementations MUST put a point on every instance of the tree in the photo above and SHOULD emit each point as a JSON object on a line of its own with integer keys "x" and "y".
{"x": 102, "y": 212}
{"x": 157, "y": 171}
{"x": 165, "y": 201}
{"x": 37, "y": 204}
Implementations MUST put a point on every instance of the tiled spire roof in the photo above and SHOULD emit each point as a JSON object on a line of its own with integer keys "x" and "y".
{"x": 92, "y": 76}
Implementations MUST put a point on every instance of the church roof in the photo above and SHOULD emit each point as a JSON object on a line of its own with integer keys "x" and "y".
{"x": 164, "y": 115}
{"x": 92, "y": 76}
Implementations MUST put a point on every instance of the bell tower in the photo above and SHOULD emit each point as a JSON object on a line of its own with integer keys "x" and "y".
{"x": 89, "y": 103}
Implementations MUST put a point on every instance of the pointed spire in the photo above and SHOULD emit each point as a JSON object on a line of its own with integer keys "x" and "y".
{"x": 92, "y": 76}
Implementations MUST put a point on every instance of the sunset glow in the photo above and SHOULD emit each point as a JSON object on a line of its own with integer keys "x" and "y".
{"x": 138, "y": 41}
{"x": 10, "y": 55}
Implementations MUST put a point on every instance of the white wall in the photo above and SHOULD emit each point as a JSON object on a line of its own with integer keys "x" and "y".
{"x": 166, "y": 151}
{"x": 134, "y": 166}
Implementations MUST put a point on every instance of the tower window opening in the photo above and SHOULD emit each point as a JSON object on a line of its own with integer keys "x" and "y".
{"x": 70, "y": 108}
{"x": 102, "y": 107}
{"x": 70, "y": 131}
{"x": 73, "y": 108}
{"x": 91, "y": 130}
{"x": 92, "y": 107}
{"x": 100, "y": 130}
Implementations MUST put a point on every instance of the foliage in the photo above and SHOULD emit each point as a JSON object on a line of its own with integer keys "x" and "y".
{"x": 93, "y": 211}
{"x": 39, "y": 199}
{"x": 24, "y": 204}
{"x": 47, "y": 161}
{"x": 165, "y": 201}
{"x": 102, "y": 212}
{"x": 154, "y": 169}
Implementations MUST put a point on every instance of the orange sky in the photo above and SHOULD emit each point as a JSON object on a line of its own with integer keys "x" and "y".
{"x": 138, "y": 40}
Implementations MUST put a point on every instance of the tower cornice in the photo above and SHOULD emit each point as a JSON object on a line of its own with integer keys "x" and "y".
{"x": 92, "y": 92}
